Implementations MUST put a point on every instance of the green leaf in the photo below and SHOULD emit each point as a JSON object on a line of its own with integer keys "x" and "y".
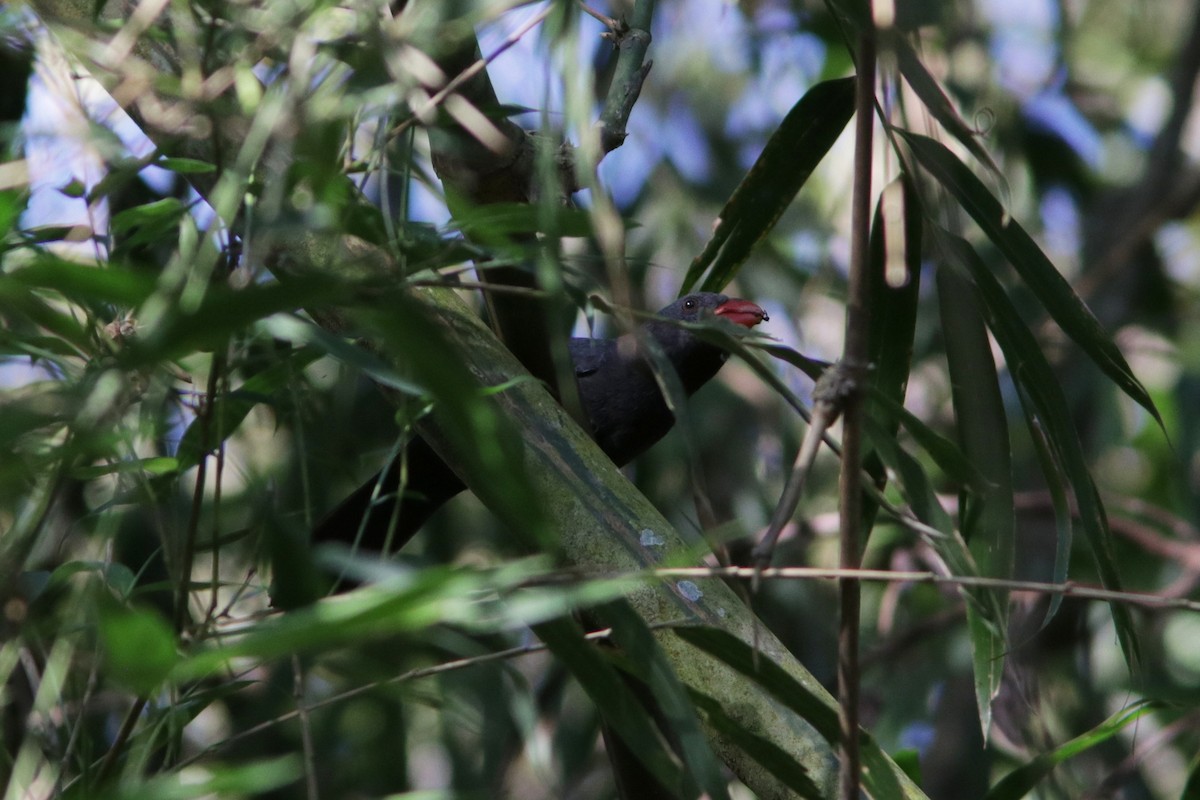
{"x": 157, "y": 214}
{"x": 139, "y": 647}
{"x": 35, "y": 347}
{"x": 405, "y": 600}
{"x": 117, "y": 576}
{"x": 497, "y": 222}
{"x": 949, "y": 458}
{"x": 1020, "y": 782}
{"x": 186, "y": 166}
{"x": 155, "y": 466}
{"x": 216, "y": 780}
{"x": 988, "y": 518}
{"x": 880, "y": 778}
{"x": 790, "y": 156}
{"x": 1056, "y": 485}
{"x": 1039, "y": 274}
{"x": 75, "y": 188}
{"x": 40, "y": 234}
{"x": 616, "y": 703}
{"x": 914, "y": 484}
{"x": 1046, "y": 407}
{"x": 646, "y": 660}
{"x": 942, "y": 109}
{"x": 26, "y": 415}
{"x": 894, "y": 308}
{"x": 986, "y": 608}
{"x": 777, "y": 761}
{"x": 86, "y": 284}
{"x": 910, "y": 762}
{"x": 12, "y": 204}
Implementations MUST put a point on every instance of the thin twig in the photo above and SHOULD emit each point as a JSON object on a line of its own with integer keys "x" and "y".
{"x": 1068, "y": 589}
{"x": 302, "y": 711}
{"x": 477, "y": 67}
{"x": 854, "y": 356}
{"x": 410, "y": 675}
{"x": 829, "y": 396}
{"x": 118, "y": 745}
{"x": 189, "y": 547}
{"x": 608, "y": 22}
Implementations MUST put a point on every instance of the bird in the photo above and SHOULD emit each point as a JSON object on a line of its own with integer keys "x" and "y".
{"x": 620, "y": 395}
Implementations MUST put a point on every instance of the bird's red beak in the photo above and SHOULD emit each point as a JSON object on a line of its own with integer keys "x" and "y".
{"x": 741, "y": 312}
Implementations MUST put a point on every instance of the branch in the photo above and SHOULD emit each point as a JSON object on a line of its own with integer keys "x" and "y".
{"x": 605, "y": 524}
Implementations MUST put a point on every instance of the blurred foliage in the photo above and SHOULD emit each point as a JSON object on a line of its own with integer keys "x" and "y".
{"x": 172, "y": 424}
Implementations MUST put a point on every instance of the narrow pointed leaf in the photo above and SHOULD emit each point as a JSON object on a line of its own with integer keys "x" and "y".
{"x": 650, "y": 665}
{"x": 894, "y": 308}
{"x": 1028, "y": 367}
{"x": 790, "y": 156}
{"x": 1034, "y": 267}
{"x": 613, "y": 699}
{"x": 989, "y": 522}
{"x": 940, "y": 106}
{"x": 881, "y": 777}
{"x": 760, "y": 748}
{"x": 1020, "y": 782}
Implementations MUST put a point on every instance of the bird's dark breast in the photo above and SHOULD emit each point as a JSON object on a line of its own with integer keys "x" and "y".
{"x": 626, "y": 420}
{"x": 629, "y": 415}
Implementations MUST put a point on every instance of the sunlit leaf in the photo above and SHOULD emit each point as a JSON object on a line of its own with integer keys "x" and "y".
{"x": 158, "y": 465}
{"x": 186, "y": 166}
{"x": 216, "y": 780}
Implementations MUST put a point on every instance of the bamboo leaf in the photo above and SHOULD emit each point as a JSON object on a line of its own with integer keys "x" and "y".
{"x": 789, "y": 158}
{"x": 1020, "y": 782}
{"x": 616, "y": 703}
{"x": 648, "y": 663}
{"x": 1047, "y": 408}
{"x": 1039, "y": 274}
{"x": 942, "y": 109}
{"x": 880, "y": 776}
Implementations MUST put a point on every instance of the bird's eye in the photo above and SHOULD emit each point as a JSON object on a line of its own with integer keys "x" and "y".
{"x": 689, "y": 304}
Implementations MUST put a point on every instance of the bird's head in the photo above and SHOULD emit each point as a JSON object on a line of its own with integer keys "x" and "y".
{"x": 703, "y": 305}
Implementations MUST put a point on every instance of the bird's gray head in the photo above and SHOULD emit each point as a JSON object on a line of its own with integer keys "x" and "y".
{"x": 703, "y": 305}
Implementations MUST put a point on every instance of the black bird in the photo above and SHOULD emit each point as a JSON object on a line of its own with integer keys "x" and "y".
{"x": 620, "y": 396}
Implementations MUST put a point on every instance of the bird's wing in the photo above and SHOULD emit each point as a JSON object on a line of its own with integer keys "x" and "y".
{"x": 588, "y": 355}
